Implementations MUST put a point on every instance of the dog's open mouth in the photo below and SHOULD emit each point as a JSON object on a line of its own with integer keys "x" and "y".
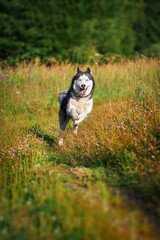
{"x": 82, "y": 91}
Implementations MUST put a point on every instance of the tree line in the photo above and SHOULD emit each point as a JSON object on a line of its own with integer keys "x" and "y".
{"x": 78, "y": 29}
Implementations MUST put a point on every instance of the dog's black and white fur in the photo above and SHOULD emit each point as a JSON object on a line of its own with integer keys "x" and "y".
{"x": 77, "y": 102}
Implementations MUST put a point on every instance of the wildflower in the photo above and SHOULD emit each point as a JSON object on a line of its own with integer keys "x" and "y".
{"x": 25, "y": 190}
{"x": 4, "y": 231}
{"x": 53, "y": 218}
{"x": 28, "y": 203}
{"x": 56, "y": 231}
{"x": 153, "y": 156}
{"x": 3, "y": 76}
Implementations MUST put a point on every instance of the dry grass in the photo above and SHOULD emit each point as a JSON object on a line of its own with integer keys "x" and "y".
{"x": 75, "y": 191}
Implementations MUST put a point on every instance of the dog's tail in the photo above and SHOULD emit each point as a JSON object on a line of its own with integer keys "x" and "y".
{"x": 62, "y": 95}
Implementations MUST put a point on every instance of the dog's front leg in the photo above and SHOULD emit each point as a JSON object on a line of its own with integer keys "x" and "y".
{"x": 73, "y": 114}
{"x": 81, "y": 116}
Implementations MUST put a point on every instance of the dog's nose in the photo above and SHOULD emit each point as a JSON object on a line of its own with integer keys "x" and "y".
{"x": 83, "y": 86}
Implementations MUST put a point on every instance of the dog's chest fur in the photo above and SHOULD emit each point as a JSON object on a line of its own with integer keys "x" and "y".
{"x": 80, "y": 105}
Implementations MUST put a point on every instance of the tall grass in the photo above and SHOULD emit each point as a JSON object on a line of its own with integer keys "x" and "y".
{"x": 103, "y": 183}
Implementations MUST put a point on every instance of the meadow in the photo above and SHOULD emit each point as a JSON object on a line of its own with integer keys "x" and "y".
{"x": 104, "y": 182}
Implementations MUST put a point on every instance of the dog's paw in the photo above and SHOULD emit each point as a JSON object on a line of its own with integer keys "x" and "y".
{"x": 75, "y": 131}
{"x": 60, "y": 141}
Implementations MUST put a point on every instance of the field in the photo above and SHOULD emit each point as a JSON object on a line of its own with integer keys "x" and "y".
{"x": 103, "y": 183}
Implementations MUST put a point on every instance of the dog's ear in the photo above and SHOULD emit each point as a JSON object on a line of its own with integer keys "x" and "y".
{"x": 78, "y": 70}
{"x": 89, "y": 70}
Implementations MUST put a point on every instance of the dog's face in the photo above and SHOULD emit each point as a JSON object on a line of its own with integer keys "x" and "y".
{"x": 83, "y": 83}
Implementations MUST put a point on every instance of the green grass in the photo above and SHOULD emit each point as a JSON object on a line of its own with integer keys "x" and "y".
{"x": 103, "y": 183}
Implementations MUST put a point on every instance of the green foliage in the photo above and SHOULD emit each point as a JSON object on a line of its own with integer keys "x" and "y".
{"x": 71, "y": 28}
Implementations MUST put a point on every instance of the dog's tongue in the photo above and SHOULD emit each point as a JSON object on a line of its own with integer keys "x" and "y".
{"x": 82, "y": 91}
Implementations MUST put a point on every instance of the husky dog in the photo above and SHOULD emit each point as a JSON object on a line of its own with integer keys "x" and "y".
{"x": 77, "y": 102}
